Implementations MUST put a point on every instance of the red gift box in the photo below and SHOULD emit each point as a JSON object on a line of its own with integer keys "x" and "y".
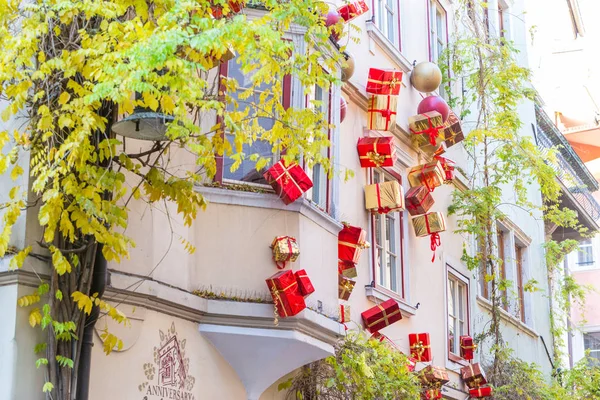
{"x": 347, "y": 269}
{"x": 467, "y": 347}
{"x": 345, "y": 287}
{"x": 431, "y": 394}
{"x": 305, "y": 286}
{"x": 481, "y": 392}
{"x": 382, "y": 112}
{"x": 352, "y": 10}
{"x": 382, "y": 315}
{"x": 376, "y": 151}
{"x": 420, "y": 347}
{"x": 351, "y": 241}
{"x": 286, "y": 295}
{"x": 473, "y": 375}
{"x": 448, "y": 167}
{"x": 235, "y": 6}
{"x": 289, "y": 182}
{"x": 418, "y": 200}
{"x": 433, "y": 376}
{"x": 384, "y": 81}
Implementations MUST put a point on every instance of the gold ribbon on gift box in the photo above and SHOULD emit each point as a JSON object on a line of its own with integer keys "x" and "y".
{"x": 374, "y": 156}
{"x": 384, "y": 318}
{"x": 392, "y": 84}
{"x": 275, "y": 292}
{"x": 285, "y": 176}
{"x": 419, "y": 348}
{"x": 346, "y": 287}
{"x": 362, "y": 245}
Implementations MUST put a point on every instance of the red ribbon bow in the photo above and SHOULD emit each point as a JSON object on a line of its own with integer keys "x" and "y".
{"x": 288, "y": 239}
{"x": 433, "y": 131}
{"x": 435, "y": 238}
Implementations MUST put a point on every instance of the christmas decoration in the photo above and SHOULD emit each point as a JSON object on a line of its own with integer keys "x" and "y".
{"x": 426, "y": 77}
{"x": 453, "y": 132}
{"x": 430, "y": 394}
{"x": 384, "y": 82}
{"x": 384, "y": 197}
{"x": 430, "y": 224}
{"x": 288, "y": 181}
{"x": 473, "y": 375}
{"x": 382, "y": 112}
{"x": 343, "y": 108}
{"x": 345, "y": 287}
{"x": 352, "y": 10}
{"x": 448, "y": 167}
{"x": 331, "y": 19}
{"x": 347, "y": 269}
{"x": 376, "y": 151}
{"x": 344, "y": 313}
{"x": 305, "y": 286}
{"x": 418, "y": 200}
{"x": 481, "y": 392}
{"x": 430, "y": 175}
{"x": 285, "y": 249}
{"x": 382, "y": 315}
{"x": 427, "y": 130}
{"x": 420, "y": 347}
{"x": 351, "y": 242}
{"x": 433, "y": 376}
{"x": 286, "y": 295}
{"x": 467, "y": 347}
{"x": 235, "y": 6}
{"x": 434, "y": 103}
{"x": 348, "y": 69}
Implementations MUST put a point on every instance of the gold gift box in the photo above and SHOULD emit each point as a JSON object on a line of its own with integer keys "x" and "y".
{"x": 281, "y": 249}
{"x": 423, "y": 122}
{"x": 389, "y": 197}
{"x": 435, "y": 220}
{"x": 453, "y": 132}
{"x": 382, "y": 112}
{"x": 430, "y": 175}
{"x": 345, "y": 313}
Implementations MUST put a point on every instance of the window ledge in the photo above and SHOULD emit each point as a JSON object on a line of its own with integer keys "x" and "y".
{"x": 271, "y": 201}
{"x": 383, "y": 42}
{"x": 377, "y": 295}
{"x": 485, "y": 303}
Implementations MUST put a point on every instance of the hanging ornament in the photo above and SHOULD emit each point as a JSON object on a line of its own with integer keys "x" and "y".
{"x": 426, "y": 77}
{"x": 348, "y": 70}
{"x": 343, "y": 107}
{"x": 331, "y": 19}
{"x": 434, "y": 103}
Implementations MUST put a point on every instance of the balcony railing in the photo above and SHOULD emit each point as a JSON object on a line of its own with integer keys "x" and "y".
{"x": 569, "y": 168}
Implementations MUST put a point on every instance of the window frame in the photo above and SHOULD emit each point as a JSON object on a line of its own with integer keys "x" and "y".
{"x": 328, "y": 186}
{"x": 220, "y": 159}
{"x": 519, "y": 271}
{"x": 501, "y": 247}
{"x": 382, "y": 25}
{"x": 585, "y": 349}
{"x": 453, "y": 274}
{"x": 588, "y": 246}
{"x": 400, "y": 240}
{"x": 438, "y": 7}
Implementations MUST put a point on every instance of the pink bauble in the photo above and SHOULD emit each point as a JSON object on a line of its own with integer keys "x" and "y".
{"x": 343, "y": 107}
{"x": 434, "y": 103}
{"x": 332, "y": 18}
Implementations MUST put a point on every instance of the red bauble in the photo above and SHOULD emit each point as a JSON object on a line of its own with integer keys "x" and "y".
{"x": 434, "y": 103}
{"x": 343, "y": 106}
{"x": 332, "y": 18}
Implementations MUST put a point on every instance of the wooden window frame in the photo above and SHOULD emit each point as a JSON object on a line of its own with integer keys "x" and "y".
{"x": 429, "y": 27}
{"x": 457, "y": 276}
{"x": 379, "y": 24}
{"x": 220, "y": 160}
{"x": 400, "y": 243}
{"x": 500, "y": 233}
{"x": 519, "y": 271}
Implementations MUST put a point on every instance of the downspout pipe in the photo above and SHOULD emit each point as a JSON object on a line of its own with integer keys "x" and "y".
{"x": 98, "y": 285}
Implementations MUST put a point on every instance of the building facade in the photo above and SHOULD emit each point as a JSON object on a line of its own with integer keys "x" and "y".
{"x": 202, "y": 325}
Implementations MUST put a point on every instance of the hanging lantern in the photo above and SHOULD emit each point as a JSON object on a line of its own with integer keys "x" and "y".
{"x": 343, "y": 107}
{"x": 348, "y": 70}
{"x": 426, "y": 77}
{"x": 144, "y": 124}
{"x": 434, "y": 103}
{"x": 332, "y": 18}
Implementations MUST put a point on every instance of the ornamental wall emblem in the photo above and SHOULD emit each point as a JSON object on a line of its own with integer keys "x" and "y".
{"x": 168, "y": 375}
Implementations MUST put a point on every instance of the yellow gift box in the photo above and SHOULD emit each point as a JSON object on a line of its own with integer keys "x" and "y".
{"x": 429, "y": 223}
{"x": 427, "y": 131}
{"x": 384, "y": 197}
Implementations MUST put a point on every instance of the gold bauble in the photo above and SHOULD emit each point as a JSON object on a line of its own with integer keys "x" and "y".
{"x": 348, "y": 70}
{"x": 426, "y": 77}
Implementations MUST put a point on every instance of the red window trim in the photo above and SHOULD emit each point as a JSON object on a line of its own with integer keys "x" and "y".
{"x": 452, "y": 271}
{"x": 286, "y": 101}
{"x": 389, "y": 292}
{"x": 374, "y": 19}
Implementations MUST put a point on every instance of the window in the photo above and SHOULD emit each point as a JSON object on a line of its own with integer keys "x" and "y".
{"x": 458, "y": 326}
{"x": 502, "y": 265}
{"x": 585, "y": 255}
{"x": 437, "y": 26}
{"x": 500, "y": 21}
{"x": 591, "y": 343}
{"x": 387, "y": 245}
{"x": 388, "y": 19}
{"x": 520, "y": 279}
{"x": 319, "y": 194}
{"x": 246, "y": 172}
